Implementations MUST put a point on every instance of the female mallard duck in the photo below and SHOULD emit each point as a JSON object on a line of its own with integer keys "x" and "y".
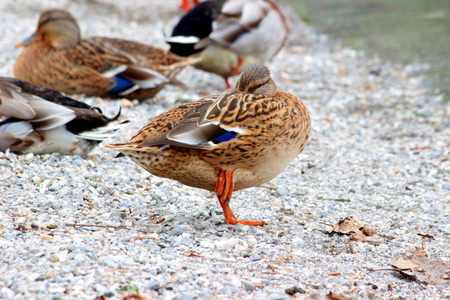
{"x": 40, "y": 120}
{"x": 232, "y": 34}
{"x": 56, "y": 57}
{"x": 227, "y": 142}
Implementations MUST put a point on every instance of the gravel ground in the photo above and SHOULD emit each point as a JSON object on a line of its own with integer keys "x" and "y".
{"x": 369, "y": 117}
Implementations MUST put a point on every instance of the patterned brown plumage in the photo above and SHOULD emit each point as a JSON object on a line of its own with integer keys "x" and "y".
{"x": 56, "y": 57}
{"x": 268, "y": 129}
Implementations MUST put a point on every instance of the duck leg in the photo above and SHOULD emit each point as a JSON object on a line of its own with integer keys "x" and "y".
{"x": 185, "y": 5}
{"x": 234, "y": 71}
{"x": 224, "y": 190}
{"x": 229, "y": 87}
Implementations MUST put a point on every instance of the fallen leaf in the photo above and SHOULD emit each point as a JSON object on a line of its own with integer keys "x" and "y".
{"x": 423, "y": 269}
{"x": 358, "y": 229}
{"x": 350, "y": 224}
{"x": 405, "y": 264}
{"x": 358, "y": 236}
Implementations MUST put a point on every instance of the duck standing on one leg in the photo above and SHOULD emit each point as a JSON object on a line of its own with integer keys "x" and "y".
{"x": 230, "y": 35}
{"x": 40, "y": 120}
{"x": 227, "y": 142}
{"x": 56, "y": 57}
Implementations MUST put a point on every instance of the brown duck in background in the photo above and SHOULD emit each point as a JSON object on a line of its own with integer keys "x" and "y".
{"x": 40, "y": 120}
{"x": 56, "y": 57}
{"x": 227, "y": 142}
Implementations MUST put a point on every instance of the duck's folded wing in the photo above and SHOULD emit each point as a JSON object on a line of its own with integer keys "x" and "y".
{"x": 191, "y": 133}
{"x": 13, "y": 104}
{"x": 50, "y": 115}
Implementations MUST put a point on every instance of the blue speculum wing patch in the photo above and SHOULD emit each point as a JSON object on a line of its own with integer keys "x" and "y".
{"x": 224, "y": 137}
{"x": 121, "y": 85}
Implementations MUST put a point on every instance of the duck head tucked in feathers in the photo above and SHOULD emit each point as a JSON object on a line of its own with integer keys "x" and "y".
{"x": 235, "y": 140}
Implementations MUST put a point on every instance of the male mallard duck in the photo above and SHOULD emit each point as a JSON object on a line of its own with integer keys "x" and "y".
{"x": 56, "y": 57}
{"x": 232, "y": 34}
{"x": 227, "y": 142}
{"x": 40, "y": 120}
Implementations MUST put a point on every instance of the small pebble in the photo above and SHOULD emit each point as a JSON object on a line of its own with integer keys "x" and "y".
{"x": 54, "y": 258}
{"x": 153, "y": 285}
{"x": 177, "y": 230}
{"x": 248, "y": 286}
{"x": 282, "y": 191}
{"x": 275, "y": 296}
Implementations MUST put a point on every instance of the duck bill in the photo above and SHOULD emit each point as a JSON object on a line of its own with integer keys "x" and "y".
{"x": 35, "y": 37}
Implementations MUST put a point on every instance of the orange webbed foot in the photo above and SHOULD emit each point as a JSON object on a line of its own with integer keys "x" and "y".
{"x": 224, "y": 190}
{"x": 230, "y": 218}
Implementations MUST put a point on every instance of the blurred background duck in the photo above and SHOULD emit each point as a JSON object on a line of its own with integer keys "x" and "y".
{"x": 56, "y": 57}
{"x": 40, "y": 120}
{"x": 227, "y": 142}
{"x": 230, "y": 35}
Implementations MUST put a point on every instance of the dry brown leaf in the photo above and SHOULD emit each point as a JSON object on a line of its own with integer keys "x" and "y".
{"x": 424, "y": 269}
{"x": 405, "y": 264}
{"x": 358, "y": 229}
{"x": 352, "y": 224}
{"x": 358, "y": 236}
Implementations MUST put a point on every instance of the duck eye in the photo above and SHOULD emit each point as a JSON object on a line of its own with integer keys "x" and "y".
{"x": 253, "y": 88}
